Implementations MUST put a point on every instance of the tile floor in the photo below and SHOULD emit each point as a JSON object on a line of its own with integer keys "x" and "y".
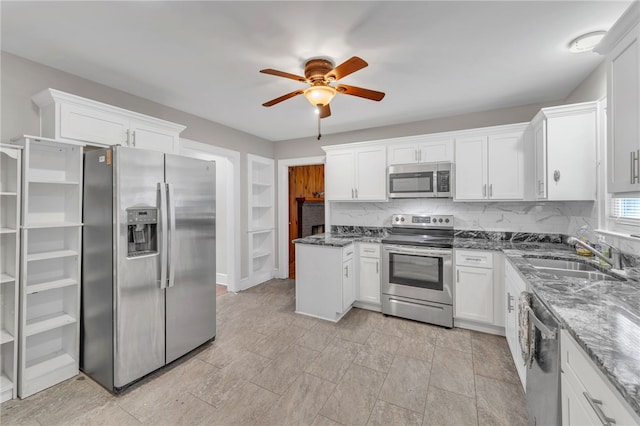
{"x": 270, "y": 366}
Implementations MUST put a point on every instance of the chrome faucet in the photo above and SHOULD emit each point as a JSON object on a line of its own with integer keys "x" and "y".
{"x": 615, "y": 261}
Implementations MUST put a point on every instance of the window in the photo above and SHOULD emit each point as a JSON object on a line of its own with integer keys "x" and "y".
{"x": 625, "y": 210}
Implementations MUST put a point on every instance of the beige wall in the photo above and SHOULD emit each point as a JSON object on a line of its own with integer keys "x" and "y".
{"x": 21, "y": 79}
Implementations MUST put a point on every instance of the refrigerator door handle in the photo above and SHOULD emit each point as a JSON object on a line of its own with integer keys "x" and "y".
{"x": 172, "y": 226}
{"x": 164, "y": 231}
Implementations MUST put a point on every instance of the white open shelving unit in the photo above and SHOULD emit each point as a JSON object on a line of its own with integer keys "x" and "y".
{"x": 261, "y": 219}
{"x": 50, "y": 263}
{"x": 10, "y": 175}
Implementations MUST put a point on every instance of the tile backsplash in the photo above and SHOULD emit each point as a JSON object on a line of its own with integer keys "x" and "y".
{"x": 562, "y": 217}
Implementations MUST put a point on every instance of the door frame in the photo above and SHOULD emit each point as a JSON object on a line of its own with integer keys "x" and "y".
{"x": 283, "y": 207}
{"x": 191, "y": 148}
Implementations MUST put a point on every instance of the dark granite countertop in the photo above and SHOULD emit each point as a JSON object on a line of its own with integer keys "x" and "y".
{"x": 602, "y": 316}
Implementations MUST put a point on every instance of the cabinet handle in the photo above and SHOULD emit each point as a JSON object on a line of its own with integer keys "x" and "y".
{"x": 377, "y": 270}
{"x": 595, "y": 404}
{"x": 128, "y": 138}
{"x": 556, "y": 175}
{"x": 415, "y": 154}
{"x": 346, "y": 271}
{"x": 458, "y": 275}
{"x": 540, "y": 187}
{"x": 490, "y": 190}
{"x": 509, "y": 300}
{"x": 419, "y": 155}
{"x": 134, "y": 138}
{"x": 352, "y": 194}
{"x": 631, "y": 167}
{"x": 484, "y": 190}
{"x": 369, "y": 250}
{"x": 356, "y": 193}
{"x": 635, "y": 167}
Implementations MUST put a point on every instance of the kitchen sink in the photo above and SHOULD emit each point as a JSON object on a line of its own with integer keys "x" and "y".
{"x": 570, "y": 268}
{"x": 594, "y": 275}
{"x": 560, "y": 264}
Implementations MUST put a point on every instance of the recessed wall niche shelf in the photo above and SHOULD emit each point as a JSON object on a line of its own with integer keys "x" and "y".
{"x": 261, "y": 219}
{"x": 50, "y": 263}
{"x": 10, "y": 187}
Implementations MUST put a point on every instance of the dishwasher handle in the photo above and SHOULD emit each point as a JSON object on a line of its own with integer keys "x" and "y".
{"x": 546, "y": 332}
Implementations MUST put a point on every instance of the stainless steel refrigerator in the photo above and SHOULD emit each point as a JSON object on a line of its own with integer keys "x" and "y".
{"x": 148, "y": 279}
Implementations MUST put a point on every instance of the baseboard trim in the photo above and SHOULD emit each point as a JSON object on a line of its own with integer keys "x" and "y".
{"x": 222, "y": 279}
{"x": 484, "y": 328}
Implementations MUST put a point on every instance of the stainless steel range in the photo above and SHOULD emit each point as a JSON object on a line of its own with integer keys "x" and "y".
{"x": 417, "y": 269}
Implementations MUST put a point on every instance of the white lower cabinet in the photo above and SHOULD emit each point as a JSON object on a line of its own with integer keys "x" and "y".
{"x": 478, "y": 292}
{"x": 369, "y": 268}
{"x": 588, "y": 397}
{"x": 325, "y": 281}
{"x": 514, "y": 285}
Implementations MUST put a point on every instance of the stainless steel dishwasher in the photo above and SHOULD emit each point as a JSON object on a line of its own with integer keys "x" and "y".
{"x": 543, "y": 366}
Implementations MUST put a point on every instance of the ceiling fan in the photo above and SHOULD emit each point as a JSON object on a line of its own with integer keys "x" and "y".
{"x": 320, "y": 73}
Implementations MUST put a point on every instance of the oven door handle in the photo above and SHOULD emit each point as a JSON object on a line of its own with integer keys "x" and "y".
{"x": 417, "y": 251}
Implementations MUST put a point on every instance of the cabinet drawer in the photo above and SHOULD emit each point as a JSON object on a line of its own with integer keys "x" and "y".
{"x": 583, "y": 373}
{"x": 347, "y": 252}
{"x": 369, "y": 250}
{"x": 478, "y": 259}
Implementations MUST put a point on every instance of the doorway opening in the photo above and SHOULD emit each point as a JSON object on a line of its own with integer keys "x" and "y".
{"x": 306, "y": 206}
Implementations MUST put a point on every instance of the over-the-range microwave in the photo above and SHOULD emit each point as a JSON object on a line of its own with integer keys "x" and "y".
{"x": 425, "y": 180}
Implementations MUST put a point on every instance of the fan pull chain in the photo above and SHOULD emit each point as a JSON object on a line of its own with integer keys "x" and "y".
{"x": 319, "y": 135}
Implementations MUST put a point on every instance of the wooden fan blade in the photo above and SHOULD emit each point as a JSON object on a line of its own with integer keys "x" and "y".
{"x": 344, "y": 69}
{"x": 282, "y": 98}
{"x": 360, "y": 92}
{"x": 285, "y": 75}
{"x": 324, "y": 111}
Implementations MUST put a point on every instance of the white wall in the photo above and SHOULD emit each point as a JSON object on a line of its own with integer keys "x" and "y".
{"x": 20, "y": 79}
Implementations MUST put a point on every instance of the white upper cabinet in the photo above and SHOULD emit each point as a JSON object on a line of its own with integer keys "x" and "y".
{"x": 419, "y": 150}
{"x": 622, "y": 47}
{"x": 565, "y": 152}
{"x": 490, "y": 165}
{"x": 68, "y": 117}
{"x": 356, "y": 173}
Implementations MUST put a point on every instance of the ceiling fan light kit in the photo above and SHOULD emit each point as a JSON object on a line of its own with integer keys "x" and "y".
{"x": 319, "y": 95}
{"x": 319, "y": 73}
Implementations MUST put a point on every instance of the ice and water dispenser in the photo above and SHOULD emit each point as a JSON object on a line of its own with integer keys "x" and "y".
{"x": 142, "y": 224}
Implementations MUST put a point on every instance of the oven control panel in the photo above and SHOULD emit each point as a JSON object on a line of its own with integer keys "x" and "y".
{"x": 422, "y": 221}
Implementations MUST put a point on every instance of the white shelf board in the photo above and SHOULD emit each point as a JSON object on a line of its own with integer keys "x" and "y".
{"x": 5, "y": 383}
{"x": 5, "y": 337}
{"x": 50, "y": 285}
{"x": 54, "y": 182}
{"x": 48, "y": 322}
{"x": 6, "y": 278}
{"x": 8, "y": 193}
{"x": 261, "y": 230}
{"x": 47, "y": 364}
{"x": 7, "y": 231}
{"x": 261, "y": 253}
{"x": 262, "y": 206}
{"x": 51, "y": 255}
{"x": 52, "y": 225}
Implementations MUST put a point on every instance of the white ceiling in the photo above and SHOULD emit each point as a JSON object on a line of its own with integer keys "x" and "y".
{"x": 432, "y": 59}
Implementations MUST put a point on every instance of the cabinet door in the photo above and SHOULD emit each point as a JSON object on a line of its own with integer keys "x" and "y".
{"x": 90, "y": 125}
{"x": 470, "y": 165}
{"x": 571, "y": 156}
{"x": 403, "y": 153}
{"x": 148, "y": 136}
{"x": 339, "y": 174}
{"x": 575, "y": 408}
{"x": 369, "y": 280}
{"x": 436, "y": 151}
{"x": 474, "y": 294}
{"x": 540, "y": 143}
{"x": 623, "y": 106}
{"x": 505, "y": 167}
{"x": 371, "y": 174}
{"x": 348, "y": 285}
